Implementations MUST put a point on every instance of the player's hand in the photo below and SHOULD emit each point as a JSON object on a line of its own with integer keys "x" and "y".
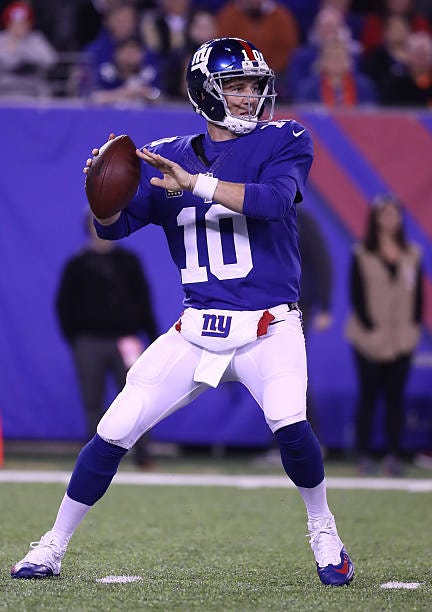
{"x": 95, "y": 152}
{"x": 322, "y": 321}
{"x": 174, "y": 176}
{"x": 130, "y": 348}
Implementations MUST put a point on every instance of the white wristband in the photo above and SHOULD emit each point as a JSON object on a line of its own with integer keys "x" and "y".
{"x": 205, "y": 187}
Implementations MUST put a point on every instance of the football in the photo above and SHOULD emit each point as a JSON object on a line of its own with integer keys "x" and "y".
{"x": 113, "y": 178}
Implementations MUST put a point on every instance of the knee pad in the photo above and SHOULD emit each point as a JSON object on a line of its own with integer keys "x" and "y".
{"x": 301, "y": 454}
{"x": 121, "y": 423}
{"x": 96, "y": 466}
{"x": 294, "y": 436}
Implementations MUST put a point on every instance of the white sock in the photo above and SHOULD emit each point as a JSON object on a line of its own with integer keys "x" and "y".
{"x": 315, "y": 500}
{"x": 69, "y": 516}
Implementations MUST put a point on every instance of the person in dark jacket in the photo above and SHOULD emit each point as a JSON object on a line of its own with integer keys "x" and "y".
{"x": 104, "y": 309}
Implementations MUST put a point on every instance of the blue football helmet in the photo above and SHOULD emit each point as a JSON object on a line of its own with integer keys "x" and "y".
{"x": 227, "y": 58}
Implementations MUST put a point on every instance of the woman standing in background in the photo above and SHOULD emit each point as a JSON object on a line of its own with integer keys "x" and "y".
{"x": 384, "y": 327}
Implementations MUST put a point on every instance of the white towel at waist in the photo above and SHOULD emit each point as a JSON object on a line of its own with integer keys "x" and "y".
{"x": 220, "y": 333}
{"x": 222, "y": 330}
{"x": 211, "y": 367}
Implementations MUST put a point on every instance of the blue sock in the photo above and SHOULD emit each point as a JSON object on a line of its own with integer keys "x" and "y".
{"x": 301, "y": 454}
{"x": 96, "y": 466}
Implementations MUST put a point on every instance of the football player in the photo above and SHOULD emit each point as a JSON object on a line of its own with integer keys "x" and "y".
{"x": 227, "y": 201}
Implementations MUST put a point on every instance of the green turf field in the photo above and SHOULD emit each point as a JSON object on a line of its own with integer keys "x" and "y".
{"x": 214, "y": 548}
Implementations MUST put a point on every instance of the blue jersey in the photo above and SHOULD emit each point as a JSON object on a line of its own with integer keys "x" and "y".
{"x": 228, "y": 260}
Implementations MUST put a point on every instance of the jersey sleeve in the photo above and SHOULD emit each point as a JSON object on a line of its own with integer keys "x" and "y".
{"x": 283, "y": 175}
{"x": 139, "y": 212}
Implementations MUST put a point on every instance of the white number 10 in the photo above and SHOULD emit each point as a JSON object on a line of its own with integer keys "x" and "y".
{"x": 193, "y": 272}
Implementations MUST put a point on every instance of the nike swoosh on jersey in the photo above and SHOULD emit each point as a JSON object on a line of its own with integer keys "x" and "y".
{"x": 297, "y": 134}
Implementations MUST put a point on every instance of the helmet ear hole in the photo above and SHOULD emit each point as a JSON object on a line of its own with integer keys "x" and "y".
{"x": 223, "y": 58}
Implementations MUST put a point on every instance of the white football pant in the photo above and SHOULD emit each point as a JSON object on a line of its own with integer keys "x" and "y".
{"x": 161, "y": 381}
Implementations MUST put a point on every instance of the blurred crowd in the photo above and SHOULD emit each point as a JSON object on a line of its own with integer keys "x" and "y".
{"x": 331, "y": 52}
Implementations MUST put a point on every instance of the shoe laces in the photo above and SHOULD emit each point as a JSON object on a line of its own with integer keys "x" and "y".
{"x": 325, "y": 541}
{"x": 47, "y": 550}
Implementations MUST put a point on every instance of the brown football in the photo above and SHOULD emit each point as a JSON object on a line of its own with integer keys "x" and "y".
{"x": 113, "y": 177}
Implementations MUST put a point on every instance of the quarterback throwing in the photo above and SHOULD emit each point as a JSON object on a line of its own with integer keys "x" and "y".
{"x": 226, "y": 200}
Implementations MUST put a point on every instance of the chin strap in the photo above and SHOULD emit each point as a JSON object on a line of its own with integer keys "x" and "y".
{"x": 239, "y": 126}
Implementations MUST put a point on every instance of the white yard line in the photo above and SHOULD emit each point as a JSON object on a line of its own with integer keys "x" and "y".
{"x": 117, "y": 579}
{"x": 401, "y": 585}
{"x": 225, "y": 480}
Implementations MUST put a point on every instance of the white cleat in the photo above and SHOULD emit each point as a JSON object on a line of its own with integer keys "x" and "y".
{"x": 43, "y": 559}
{"x": 334, "y": 565}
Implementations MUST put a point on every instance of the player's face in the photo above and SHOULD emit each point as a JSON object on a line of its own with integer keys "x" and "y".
{"x": 238, "y": 92}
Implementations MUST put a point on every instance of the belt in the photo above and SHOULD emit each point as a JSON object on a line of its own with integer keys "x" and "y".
{"x": 281, "y": 309}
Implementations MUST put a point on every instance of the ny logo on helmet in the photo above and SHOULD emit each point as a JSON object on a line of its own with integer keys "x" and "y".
{"x": 200, "y": 59}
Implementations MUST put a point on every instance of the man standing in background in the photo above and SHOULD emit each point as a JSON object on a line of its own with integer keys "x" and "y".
{"x": 103, "y": 304}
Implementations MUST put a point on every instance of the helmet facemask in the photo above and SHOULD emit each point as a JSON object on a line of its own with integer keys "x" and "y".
{"x": 246, "y": 122}
{"x": 210, "y": 68}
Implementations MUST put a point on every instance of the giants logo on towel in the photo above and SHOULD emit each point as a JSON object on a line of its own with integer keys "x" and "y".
{"x": 216, "y": 325}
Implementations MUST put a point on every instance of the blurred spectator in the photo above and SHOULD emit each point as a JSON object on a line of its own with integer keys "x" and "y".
{"x": 414, "y": 86}
{"x": 89, "y": 19}
{"x": 352, "y": 19}
{"x": 164, "y": 32}
{"x": 91, "y": 14}
{"x": 103, "y": 304}
{"x": 268, "y": 24}
{"x": 119, "y": 23}
{"x": 372, "y": 35}
{"x": 384, "y": 328}
{"x": 56, "y": 20}
{"x": 304, "y": 12}
{"x": 25, "y": 54}
{"x": 327, "y": 26}
{"x": 336, "y": 82}
{"x": 389, "y": 58}
{"x": 202, "y": 26}
{"x": 111, "y": 59}
{"x": 128, "y": 78}
{"x": 164, "y": 28}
